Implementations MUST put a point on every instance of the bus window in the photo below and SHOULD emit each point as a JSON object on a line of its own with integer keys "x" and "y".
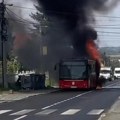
{"x": 73, "y": 72}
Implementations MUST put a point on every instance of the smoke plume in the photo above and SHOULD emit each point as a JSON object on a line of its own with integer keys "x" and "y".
{"x": 69, "y": 34}
{"x": 75, "y": 16}
{"x": 23, "y": 44}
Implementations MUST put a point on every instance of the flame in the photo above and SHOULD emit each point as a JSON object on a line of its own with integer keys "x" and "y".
{"x": 20, "y": 40}
{"x": 92, "y": 50}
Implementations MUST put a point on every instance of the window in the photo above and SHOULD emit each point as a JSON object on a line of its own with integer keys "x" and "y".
{"x": 73, "y": 72}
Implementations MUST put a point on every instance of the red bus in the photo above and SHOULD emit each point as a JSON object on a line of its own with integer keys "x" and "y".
{"x": 78, "y": 73}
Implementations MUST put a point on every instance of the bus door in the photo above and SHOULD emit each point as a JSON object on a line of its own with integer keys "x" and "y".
{"x": 91, "y": 75}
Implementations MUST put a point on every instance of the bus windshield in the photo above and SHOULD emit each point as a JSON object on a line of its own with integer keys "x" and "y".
{"x": 70, "y": 72}
{"x": 117, "y": 71}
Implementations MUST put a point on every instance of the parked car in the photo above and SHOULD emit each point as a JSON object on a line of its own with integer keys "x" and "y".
{"x": 117, "y": 73}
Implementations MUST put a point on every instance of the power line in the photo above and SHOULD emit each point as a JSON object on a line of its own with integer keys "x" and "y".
{"x": 108, "y": 16}
{"x": 109, "y": 32}
{"x": 19, "y": 16}
{"x": 109, "y": 36}
{"x": 17, "y": 20}
{"x": 108, "y": 27}
{"x": 22, "y": 7}
{"x": 105, "y": 25}
{"x": 21, "y": 20}
{"x": 27, "y": 23}
{"x": 48, "y": 21}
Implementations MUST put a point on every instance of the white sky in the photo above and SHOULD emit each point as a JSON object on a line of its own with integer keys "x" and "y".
{"x": 22, "y": 12}
{"x": 111, "y": 25}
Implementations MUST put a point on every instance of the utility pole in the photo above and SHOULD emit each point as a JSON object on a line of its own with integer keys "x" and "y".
{"x": 3, "y": 33}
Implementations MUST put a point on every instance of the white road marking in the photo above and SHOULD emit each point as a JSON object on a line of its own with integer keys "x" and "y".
{"x": 95, "y": 112}
{"x": 22, "y": 112}
{"x": 46, "y": 112}
{"x": 21, "y": 117}
{"x": 4, "y": 111}
{"x": 57, "y": 103}
{"x": 70, "y": 112}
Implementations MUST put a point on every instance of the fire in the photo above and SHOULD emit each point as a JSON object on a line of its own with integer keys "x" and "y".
{"x": 20, "y": 40}
{"x": 92, "y": 50}
{"x": 95, "y": 55}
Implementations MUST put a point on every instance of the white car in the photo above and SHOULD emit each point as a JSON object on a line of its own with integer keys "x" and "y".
{"x": 106, "y": 72}
{"x": 117, "y": 73}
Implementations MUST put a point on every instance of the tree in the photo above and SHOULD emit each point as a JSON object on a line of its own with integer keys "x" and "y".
{"x": 42, "y": 22}
{"x": 39, "y": 33}
{"x": 13, "y": 65}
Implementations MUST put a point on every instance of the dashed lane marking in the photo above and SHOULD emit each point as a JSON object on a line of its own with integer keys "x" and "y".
{"x": 95, "y": 112}
{"x": 46, "y": 112}
{"x": 57, "y": 103}
{"x": 4, "y": 111}
{"x": 20, "y": 117}
{"x": 23, "y": 112}
{"x": 70, "y": 112}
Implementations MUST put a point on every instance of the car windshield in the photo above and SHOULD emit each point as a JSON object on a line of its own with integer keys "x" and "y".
{"x": 118, "y": 71}
{"x": 73, "y": 72}
{"x": 104, "y": 71}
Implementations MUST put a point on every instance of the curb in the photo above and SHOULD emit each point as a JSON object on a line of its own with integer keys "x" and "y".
{"x": 13, "y": 96}
{"x": 113, "y": 113}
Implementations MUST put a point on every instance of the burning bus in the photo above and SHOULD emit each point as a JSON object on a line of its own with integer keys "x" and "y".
{"x": 78, "y": 73}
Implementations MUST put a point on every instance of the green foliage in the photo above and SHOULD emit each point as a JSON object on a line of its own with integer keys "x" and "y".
{"x": 13, "y": 66}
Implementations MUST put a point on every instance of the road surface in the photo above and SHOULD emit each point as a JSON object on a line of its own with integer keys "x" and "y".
{"x": 63, "y": 105}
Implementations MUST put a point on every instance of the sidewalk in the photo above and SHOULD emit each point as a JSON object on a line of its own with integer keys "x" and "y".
{"x": 113, "y": 113}
{"x": 8, "y": 96}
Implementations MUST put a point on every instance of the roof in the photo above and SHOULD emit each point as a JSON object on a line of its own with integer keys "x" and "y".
{"x": 105, "y": 68}
{"x": 117, "y": 68}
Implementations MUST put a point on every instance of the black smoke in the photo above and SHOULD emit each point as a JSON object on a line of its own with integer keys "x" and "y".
{"x": 76, "y": 16}
{"x": 27, "y": 46}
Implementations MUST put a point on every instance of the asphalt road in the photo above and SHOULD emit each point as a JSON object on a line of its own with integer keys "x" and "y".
{"x": 63, "y": 105}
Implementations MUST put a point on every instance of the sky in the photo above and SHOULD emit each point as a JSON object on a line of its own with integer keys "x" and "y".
{"x": 107, "y": 25}
{"x": 22, "y": 8}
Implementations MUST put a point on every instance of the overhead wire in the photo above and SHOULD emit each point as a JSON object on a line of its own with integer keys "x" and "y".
{"x": 26, "y": 22}
{"x": 100, "y": 16}
{"x": 22, "y": 7}
{"x": 17, "y": 21}
{"x": 35, "y": 9}
{"x": 113, "y": 35}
